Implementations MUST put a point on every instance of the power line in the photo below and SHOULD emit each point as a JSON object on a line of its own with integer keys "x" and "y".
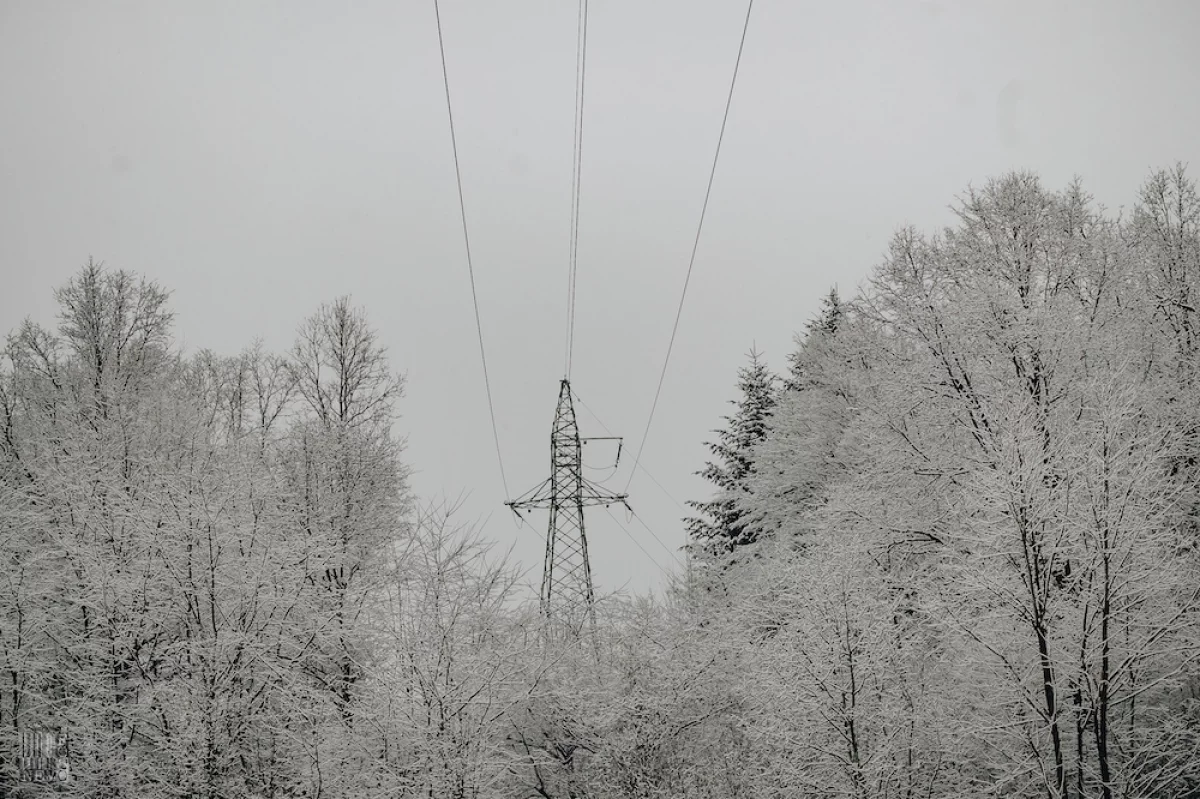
{"x": 654, "y": 479}
{"x": 487, "y": 384}
{"x": 636, "y": 515}
{"x": 630, "y": 536}
{"x": 576, "y": 177}
{"x": 641, "y": 466}
{"x": 695, "y": 245}
{"x": 646, "y": 527}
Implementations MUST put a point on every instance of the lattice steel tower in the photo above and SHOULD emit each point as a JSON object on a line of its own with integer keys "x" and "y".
{"x": 567, "y": 596}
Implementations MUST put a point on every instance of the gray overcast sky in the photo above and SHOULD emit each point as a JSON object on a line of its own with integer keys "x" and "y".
{"x": 259, "y": 158}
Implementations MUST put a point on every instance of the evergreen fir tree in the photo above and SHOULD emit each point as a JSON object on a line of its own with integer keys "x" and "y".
{"x": 800, "y": 450}
{"x": 816, "y": 331}
{"x": 721, "y": 526}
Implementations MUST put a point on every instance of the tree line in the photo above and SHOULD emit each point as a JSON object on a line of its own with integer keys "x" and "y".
{"x": 951, "y": 552}
{"x": 963, "y": 527}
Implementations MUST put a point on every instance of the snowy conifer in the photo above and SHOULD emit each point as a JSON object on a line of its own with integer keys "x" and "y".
{"x": 721, "y": 526}
{"x": 816, "y": 331}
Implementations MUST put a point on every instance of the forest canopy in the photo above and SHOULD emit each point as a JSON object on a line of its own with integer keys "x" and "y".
{"x": 951, "y": 552}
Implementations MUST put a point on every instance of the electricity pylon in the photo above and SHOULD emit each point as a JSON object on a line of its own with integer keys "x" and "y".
{"x": 566, "y": 596}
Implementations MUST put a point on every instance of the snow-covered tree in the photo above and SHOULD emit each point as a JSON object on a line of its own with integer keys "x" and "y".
{"x": 157, "y": 607}
{"x": 346, "y": 484}
{"x": 722, "y": 526}
{"x": 973, "y": 508}
{"x": 818, "y": 332}
{"x": 801, "y": 448}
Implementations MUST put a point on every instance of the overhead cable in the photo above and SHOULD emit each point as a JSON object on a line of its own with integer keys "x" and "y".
{"x": 467, "y": 242}
{"x": 695, "y": 245}
{"x": 576, "y": 179}
{"x": 641, "y": 466}
{"x": 635, "y": 541}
